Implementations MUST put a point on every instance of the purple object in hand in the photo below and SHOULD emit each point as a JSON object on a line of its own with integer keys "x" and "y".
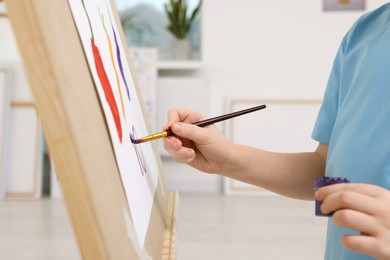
{"x": 325, "y": 181}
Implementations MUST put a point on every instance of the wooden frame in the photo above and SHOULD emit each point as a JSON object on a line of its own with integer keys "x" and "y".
{"x": 344, "y": 5}
{"x": 37, "y": 167}
{"x": 261, "y": 124}
{"x": 4, "y": 107}
{"x": 2, "y": 9}
{"x": 78, "y": 140}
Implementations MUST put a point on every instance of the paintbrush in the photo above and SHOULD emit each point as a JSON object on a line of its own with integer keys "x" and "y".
{"x": 202, "y": 123}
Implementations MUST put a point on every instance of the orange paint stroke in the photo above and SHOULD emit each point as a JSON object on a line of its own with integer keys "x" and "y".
{"x": 113, "y": 65}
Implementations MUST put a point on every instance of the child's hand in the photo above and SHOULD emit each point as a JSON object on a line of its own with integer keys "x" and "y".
{"x": 361, "y": 207}
{"x": 203, "y": 148}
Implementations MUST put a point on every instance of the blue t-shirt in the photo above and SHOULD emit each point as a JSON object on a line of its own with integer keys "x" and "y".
{"x": 354, "y": 119}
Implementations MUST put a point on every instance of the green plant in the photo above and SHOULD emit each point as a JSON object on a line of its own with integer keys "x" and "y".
{"x": 179, "y": 24}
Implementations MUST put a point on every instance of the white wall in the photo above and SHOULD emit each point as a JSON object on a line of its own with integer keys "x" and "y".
{"x": 8, "y": 48}
{"x": 258, "y": 48}
{"x": 267, "y": 50}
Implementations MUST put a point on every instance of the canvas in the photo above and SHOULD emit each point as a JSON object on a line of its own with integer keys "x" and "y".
{"x": 115, "y": 86}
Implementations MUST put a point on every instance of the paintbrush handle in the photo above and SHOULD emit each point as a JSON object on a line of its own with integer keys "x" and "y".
{"x": 169, "y": 132}
{"x": 201, "y": 123}
{"x": 217, "y": 119}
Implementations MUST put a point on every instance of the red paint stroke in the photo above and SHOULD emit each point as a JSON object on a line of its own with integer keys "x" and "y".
{"x": 114, "y": 66}
{"x": 104, "y": 81}
{"x": 137, "y": 148}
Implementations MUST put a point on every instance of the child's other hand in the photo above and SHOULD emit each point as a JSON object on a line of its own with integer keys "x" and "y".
{"x": 361, "y": 207}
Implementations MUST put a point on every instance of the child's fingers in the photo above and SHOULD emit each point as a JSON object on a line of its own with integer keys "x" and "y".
{"x": 349, "y": 200}
{"x": 367, "y": 189}
{"x": 182, "y": 115}
{"x": 178, "y": 152}
{"x": 361, "y": 243}
{"x": 356, "y": 220}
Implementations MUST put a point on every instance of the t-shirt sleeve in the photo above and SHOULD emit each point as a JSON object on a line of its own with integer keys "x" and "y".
{"x": 326, "y": 118}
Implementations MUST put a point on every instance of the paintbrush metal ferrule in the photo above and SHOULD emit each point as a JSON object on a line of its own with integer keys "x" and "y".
{"x": 151, "y": 137}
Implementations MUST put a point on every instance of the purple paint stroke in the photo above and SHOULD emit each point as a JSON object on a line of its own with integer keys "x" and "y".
{"x": 141, "y": 161}
{"x": 118, "y": 55}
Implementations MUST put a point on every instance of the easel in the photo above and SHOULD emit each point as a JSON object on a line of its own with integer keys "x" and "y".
{"x": 78, "y": 139}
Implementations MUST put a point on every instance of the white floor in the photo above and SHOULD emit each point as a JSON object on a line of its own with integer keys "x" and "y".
{"x": 210, "y": 227}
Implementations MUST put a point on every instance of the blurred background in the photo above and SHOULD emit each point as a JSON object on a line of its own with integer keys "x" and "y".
{"x": 236, "y": 54}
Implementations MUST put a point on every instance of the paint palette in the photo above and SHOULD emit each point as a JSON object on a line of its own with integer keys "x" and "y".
{"x": 325, "y": 181}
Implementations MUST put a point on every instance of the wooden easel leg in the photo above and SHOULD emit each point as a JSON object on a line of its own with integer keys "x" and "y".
{"x": 169, "y": 250}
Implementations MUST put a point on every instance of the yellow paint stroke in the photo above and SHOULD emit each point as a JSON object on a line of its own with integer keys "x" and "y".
{"x": 113, "y": 65}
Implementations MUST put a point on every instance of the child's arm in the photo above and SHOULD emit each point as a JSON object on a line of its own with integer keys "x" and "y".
{"x": 208, "y": 150}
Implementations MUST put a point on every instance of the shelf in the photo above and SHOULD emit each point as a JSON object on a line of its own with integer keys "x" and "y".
{"x": 179, "y": 65}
